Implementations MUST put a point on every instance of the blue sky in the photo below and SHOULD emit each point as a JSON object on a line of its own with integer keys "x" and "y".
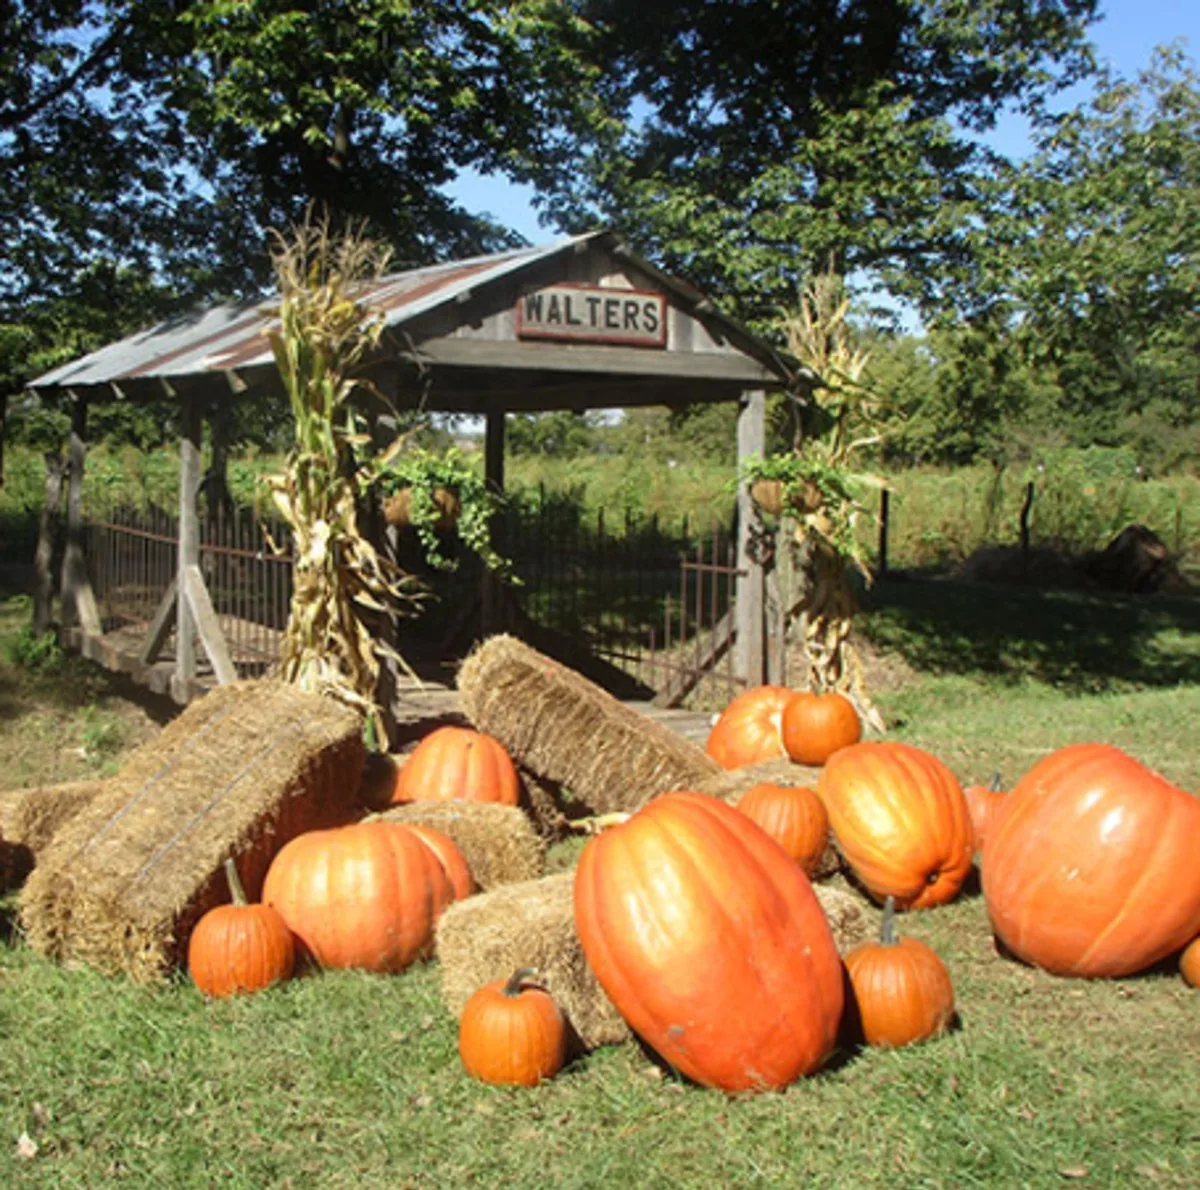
{"x": 1125, "y": 37}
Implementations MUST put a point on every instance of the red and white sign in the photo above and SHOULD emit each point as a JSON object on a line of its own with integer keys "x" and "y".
{"x": 589, "y": 314}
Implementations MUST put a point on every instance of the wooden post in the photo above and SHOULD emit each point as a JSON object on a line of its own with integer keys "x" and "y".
{"x": 49, "y": 530}
{"x": 79, "y": 601}
{"x": 749, "y": 587}
{"x": 493, "y": 473}
{"x": 189, "y": 548}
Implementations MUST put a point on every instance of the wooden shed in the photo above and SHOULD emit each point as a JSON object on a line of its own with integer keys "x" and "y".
{"x": 583, "y": 323}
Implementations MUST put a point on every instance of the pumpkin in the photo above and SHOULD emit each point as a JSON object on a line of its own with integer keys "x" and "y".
{"x": 1189, "y": 964}
{"x": 1092, "y": 869}
{"x": 901, "y": 821}
{"x": 815, "y": 726}
{"x": 902, "y": 990}
{"x": 710, "y": 942}
{"x": 748, "y": 730}
{"x": 984, "y": 802}
{"x": 453, "y": 862}
{"x": 365, "y": 896}
{"x": 458, "y": 764}
{"x": 512, "y": 1034}
{"x": 239, "y": 947}
{"x": 793, "y": 816}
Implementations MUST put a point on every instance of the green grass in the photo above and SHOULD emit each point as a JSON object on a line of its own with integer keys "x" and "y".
{"x": 341, "y": 1079}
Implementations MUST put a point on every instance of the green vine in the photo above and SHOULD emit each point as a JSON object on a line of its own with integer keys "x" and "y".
{"x": 423, "y": 473}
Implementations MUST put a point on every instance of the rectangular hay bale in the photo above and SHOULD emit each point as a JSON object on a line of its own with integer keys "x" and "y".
{"x": 531, "y": 924}
{"x": 569, "y": 731}
{"x": 498, "y": 842}
{"x": 239, "y": 773}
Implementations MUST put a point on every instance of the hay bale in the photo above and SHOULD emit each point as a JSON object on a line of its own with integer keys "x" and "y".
{"x": 851, "y": 919}
{"x": 239, "y": 773}
{"x": 34, "y": 818}
{"x": 569, "y": 731}
{"x": 730, "y": 784}
{"x": 498, "y": 842}
{"x": 526, "y": 925}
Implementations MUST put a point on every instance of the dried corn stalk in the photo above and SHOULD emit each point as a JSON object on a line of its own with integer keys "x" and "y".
{"x": 342, "y": 587}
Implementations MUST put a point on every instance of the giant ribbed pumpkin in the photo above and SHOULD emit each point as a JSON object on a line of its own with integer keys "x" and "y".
{"x": 1093, "y": 869}
{"x": 458, "y": 764}
{"x": 709, "y": 940}
{"x": 365, "y": 896}
{"x": 748, "y": 730}
{"x": 901, "y": 821}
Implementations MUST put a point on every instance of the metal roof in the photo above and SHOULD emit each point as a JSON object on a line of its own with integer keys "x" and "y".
{"x": 231, "y": 338}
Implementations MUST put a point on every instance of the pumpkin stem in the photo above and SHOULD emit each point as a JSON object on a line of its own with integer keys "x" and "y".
{"x": 236, "y": 891}
{"x": 597, "y": 823}
{"x": 518, "y": 977}
{"x": 887, "y": 931}
{"x": 996, "y": 784}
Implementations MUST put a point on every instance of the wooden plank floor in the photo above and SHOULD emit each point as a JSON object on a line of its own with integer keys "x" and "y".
{"x": 419, "y": 707}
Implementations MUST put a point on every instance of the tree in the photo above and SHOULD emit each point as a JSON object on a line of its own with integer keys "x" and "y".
{"x": 765, "y": 138}
{"x": 1091, "y": 258}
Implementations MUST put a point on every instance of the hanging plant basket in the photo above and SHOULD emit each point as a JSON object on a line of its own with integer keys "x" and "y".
{"x": 397, "y": 508}
{"x": 774, "y": 496}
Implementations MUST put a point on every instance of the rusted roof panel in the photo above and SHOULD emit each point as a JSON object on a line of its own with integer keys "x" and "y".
{"x": 225, "y": 337}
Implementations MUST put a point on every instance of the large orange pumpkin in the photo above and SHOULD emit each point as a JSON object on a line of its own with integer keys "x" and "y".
{"x": 984, "y": 802}
{"x": 1189, "y": 964}
{"x": 748, "y": 730}
{"x": 899, "y": 816}
{"x": 794, "y": 817}
{"x": 1093, "y": 869}
{"x": 709, "y": 940}
{"x": 239, "y": 947}
{"x": 458, "y": 764}
{"x": 364, "y": 896}
{"x": 815, "y": 726}
{"x": 512, "y": 1034}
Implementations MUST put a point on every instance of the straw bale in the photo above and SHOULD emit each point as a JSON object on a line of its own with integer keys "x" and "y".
{"x": 851, "y": 919}
{"x": 531, "y": 924}
{"x": 567, "y": 730}
{"x": 239, "y": 773}
{"x": 498, "y": 842}
{"x": 41, "y": 812}
{"x": 730, "y": 784}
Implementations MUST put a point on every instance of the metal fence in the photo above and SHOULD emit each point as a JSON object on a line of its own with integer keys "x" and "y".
{"x": 651, "y": 602}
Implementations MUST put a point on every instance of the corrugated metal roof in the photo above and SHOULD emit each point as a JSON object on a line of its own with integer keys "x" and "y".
{"x": 234, "y": 336}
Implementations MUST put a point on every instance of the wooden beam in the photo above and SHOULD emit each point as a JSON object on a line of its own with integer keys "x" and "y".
{"x": 601, "y": 360}
{"x": 189, "y": 543}
{"x": 749, "y": 586}
{"x": 161, "y": 625}
{"x": 79, "y": 600}
{"x": 209, "y": 627}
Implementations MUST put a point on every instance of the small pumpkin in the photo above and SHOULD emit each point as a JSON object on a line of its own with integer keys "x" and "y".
{"x": 748, "y": 730}
{"x": 239, "y": 947}
{"x": 1189, "y": 964}
{"x": 458, "y": 764}
{"x": 1091, "y": 871}
{"x": 453, "y": 862}
{"x": 794, "y": 816}
{"x": 815, "y": 726}
{"x": 901, "y": 821}
{"x": 512, "y": 1033}
{"x": 902, "y": 990}
{"x": 984, "y": 802}
{"x": 711, "y": 943}
{"x": 365, "y": 896}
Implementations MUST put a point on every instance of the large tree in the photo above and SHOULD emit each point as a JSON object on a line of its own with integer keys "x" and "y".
{"x": 767, "y": 137}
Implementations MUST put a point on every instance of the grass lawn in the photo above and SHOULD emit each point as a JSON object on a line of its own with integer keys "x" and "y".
{"x": 341, "y": 1079}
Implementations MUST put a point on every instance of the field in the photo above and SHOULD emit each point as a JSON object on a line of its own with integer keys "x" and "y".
{"x": 340, "y": 1079}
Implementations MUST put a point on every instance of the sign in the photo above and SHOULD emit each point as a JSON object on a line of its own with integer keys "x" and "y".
{"x": 588, "y": 314}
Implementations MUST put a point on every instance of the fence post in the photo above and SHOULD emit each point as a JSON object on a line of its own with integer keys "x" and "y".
{"x": 884, "y": 509}
{"x": 189, "y": 548}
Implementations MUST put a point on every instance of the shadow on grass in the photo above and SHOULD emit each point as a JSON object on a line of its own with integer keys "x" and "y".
{"x": 1083, "y": 641}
